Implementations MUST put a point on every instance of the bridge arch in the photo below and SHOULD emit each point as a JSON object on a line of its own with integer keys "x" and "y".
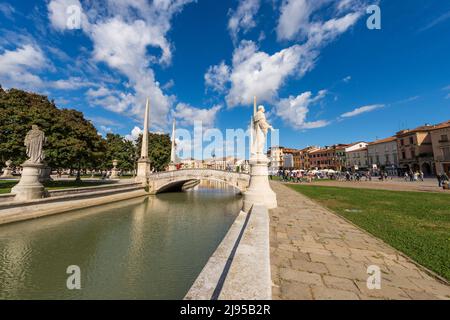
{"x": 175, "y": 180}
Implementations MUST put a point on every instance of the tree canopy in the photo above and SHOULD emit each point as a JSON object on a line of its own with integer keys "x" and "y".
{"x": 72, "y": 140}
{"x": 159, "y": 146}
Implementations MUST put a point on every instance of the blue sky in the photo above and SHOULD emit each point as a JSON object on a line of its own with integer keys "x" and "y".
{"x": 323, "y": 76}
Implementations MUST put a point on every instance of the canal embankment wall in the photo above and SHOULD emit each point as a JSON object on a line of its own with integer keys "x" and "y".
{"x": 65, "y": 200}
{"x": 239, "y": 269}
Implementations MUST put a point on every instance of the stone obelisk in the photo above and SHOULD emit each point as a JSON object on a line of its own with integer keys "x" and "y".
{"x": 143, "y": 164}
{"x": 259, "y": 191}
{"x": 172, "y": 164}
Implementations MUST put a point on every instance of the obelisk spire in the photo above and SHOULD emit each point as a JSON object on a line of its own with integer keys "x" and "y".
{"x": 173, "y": 151}
{"x": 144, "y": 148}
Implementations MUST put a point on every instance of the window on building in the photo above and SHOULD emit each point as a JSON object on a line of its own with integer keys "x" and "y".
{"x": 403, "y": 155}
{"x": 413, "y": 153}
{"x": 444, "y": 138}
{"x": 446, "y": 153}
{"x": 411, "y": 140}
{"x": 402, "y": 142}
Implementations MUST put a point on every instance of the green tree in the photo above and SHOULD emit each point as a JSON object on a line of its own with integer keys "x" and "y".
{"x": 72, "y": 141}
{"x": 159, "y": 146}
{"x": 119, "y": 148}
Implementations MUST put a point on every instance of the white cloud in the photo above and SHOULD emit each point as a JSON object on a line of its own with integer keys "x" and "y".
{"x": 122, "y": 32}
{"x": 18, "y": 67}
{"x": 436, "y": 21}
{"x": 7, "y": 10}
{"x": 299, "y": 19}
{"x": 243, "y": 18}
{"x": 361, "y": 110}
{"x": 294, "y": 16}
{"x": 97, "y": 93}
{"x": 347, "y": 79}
{"x": 59, "y": 15}
{"x": 294, "y": 110}
{"x": 187, "y": 114}
{"x": 217, "y": 77}
{"x": 256, "y": 73}
{"x": 71, "y": 83}
{"x": 134, "y": 135}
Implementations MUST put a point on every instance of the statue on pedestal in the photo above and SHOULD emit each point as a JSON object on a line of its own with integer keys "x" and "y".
{"x": 259, "y": 191}
{"x": 260, "y": 129}
{"x": 7, "y": 172}
{"x": 29, "y": 186}
{"x": 34, "y": 141}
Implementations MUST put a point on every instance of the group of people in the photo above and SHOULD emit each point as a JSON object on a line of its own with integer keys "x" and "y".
{"x": 297, "y": 176}
{"x": 414, "y": 176}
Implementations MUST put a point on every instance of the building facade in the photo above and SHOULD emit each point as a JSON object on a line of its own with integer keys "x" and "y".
{"x": 275, "y": 155}
{"x": 440, "y": 140}
{"x": 383, "y": 155}
{"x": 415, "y": 150}
{"x": 356, "y": 156}
{"x": 322, "y": 158}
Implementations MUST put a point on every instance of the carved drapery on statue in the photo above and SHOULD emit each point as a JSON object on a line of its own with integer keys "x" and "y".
{"x": 260, "y": 129}
{"x": 34, "y": 141}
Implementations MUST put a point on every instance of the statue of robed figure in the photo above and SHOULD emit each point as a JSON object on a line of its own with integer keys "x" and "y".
{"x": 260, "y": 129}
{"x": 34, "y": 141}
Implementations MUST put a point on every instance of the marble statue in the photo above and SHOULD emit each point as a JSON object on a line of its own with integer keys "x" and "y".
{"x": 34, "y": 141}
{"x": 260, "y": 129}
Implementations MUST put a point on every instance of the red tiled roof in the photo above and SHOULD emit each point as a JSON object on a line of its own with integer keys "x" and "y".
{"x": 390, "y": 139}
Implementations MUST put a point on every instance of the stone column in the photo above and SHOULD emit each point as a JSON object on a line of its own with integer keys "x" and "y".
{"x": 172, "y": 164}
{"x": 143, "y": 164}
{"x": 29, "y": 187}
{"x": 7, "y": 172}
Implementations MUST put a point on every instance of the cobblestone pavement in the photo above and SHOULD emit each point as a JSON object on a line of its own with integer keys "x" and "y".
{"x": 317, "y": 255}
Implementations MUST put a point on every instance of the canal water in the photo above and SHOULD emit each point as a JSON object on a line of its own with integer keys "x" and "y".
{"x": 145, "y": 248}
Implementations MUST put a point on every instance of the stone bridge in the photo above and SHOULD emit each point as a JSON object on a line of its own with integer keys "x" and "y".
{"x": 175, "y": 180}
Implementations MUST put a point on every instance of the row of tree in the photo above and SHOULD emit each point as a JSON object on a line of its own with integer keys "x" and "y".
{"x": 72, "y": 141}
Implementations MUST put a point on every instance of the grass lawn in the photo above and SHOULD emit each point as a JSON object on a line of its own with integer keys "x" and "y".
{"x": 6, "y": 185}
{"x": 415, "y": 223}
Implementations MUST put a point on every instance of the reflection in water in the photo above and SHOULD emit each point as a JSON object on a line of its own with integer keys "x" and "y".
{"x": 145, "y": 248}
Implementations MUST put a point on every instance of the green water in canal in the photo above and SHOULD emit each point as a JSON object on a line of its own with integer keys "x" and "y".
{"x": 145, "y": 248}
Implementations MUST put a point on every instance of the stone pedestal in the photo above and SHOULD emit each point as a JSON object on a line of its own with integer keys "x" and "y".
{"x": 29, "y": 187}
{"x": 114, "y": 174}
{"x": 46, "y": 171}
{"x": 259, "y": 191}
{"x": 143, "y": 171}
{"x": 115, "y": 171}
